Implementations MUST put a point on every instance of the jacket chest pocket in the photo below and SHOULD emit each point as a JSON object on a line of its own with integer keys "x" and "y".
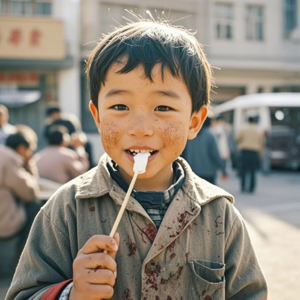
{"x": 207, "y": 280}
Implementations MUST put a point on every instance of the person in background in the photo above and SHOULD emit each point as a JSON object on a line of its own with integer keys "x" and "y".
{"x": 250, "y": 142}
{"x": 18, "y": 192}
{"x": 203, "y": 155}
{"x": 222, "y": 132}
{"x": 58, "y": 163}
{"x": 5, "y": 128}
{"x": 72, "y": 123}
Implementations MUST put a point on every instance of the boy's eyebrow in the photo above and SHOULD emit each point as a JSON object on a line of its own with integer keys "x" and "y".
{"x": 168, "y": 93}
{"x": 113, "y": 92}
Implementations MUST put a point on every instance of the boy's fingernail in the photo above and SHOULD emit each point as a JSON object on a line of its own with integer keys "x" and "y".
{"x": 115, "y": 272}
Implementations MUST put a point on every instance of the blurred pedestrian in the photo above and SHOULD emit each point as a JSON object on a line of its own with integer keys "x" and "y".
{"x": 250, "y": 142}
{"x": 5, "y": 128}
{"x": 18, "y": 192}
{"x": 72, "y": 123}
{"x": 58, "y": 163}
{"x": 222, "y": 132}
{"x": 203, "y": 155}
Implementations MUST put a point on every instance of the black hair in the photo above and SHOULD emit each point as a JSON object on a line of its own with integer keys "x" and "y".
{"x": 52, "y": 108}
{"x": 16, "y": 139}
{"x": 56, "y": 135}
{"x": 148, "y": 43}
{"x": 23, "y": 135}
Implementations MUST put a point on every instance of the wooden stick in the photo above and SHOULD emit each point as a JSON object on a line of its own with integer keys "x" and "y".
{"x": 124, "y": 204}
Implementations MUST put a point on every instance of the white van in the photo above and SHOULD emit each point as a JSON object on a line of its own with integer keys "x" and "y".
{"x": 278, "y": 116}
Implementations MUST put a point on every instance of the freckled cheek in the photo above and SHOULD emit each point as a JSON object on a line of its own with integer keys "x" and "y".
{"x": 174, "y": 137}
{"x": 110, "y": 134}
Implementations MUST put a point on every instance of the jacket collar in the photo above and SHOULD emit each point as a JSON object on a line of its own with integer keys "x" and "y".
{"x": 98, "y": 182}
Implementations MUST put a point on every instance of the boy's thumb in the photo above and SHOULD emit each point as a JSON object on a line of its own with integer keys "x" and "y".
{"x": 117, "y": 238}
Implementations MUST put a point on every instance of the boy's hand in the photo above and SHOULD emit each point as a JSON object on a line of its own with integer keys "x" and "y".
{"x": 94, "y": 272}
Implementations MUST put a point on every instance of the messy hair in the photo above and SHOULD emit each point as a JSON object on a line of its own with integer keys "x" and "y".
{"x": 147, "y": 43}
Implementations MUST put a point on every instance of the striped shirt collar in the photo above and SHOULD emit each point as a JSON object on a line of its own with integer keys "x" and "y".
{"x": 150, "y": 199}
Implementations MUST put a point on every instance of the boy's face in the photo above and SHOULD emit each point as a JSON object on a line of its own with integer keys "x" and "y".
{"x": 135, "y": 113}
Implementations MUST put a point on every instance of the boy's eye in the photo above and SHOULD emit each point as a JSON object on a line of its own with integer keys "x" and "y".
{"x": 163, "y": 108}
{"x": 120, "y": 107}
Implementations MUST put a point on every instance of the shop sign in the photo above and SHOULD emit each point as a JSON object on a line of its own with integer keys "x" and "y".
{"x": 19, "y": 79}
{"x": 31, "y": 38}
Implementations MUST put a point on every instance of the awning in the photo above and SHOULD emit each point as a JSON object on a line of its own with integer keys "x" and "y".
{"x": 12, "y": 99}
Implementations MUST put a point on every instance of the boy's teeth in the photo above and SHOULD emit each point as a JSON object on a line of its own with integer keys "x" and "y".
{"x": 141, "y": 151}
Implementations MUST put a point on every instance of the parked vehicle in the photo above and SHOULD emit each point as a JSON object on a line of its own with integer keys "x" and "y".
{"x": 277, "y": 115}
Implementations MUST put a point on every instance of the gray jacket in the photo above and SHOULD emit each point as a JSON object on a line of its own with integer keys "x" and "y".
{"x": 201, "y": 250}
{"x": 203, "y": 155}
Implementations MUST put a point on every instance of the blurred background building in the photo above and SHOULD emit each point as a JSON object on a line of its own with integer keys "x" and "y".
{"x": 254, "y": 45}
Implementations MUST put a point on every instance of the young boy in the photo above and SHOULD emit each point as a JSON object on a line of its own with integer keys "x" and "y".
{"x": 180, "y": 237}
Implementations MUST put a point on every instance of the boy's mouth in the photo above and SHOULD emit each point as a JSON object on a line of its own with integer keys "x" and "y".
{"x": 134, "y": 152}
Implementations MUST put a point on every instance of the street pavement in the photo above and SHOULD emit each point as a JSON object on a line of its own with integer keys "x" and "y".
{"x": 272, "y": 216}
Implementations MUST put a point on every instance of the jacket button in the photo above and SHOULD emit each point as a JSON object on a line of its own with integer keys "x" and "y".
{"x": 151, "y": 266}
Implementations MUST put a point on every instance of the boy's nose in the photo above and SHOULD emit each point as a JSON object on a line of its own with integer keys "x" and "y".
{"x": 140, "y": 127}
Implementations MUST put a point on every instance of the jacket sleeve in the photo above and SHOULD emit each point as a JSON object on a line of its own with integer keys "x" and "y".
{"x": 22, "y": 183}
{"x": 244, "y": 278}
{"x": 45, "y": 262}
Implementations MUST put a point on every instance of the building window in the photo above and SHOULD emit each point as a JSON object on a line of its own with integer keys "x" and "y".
{"x": 224, "y": 20}
{"x": 26, "y": 7}
{"x": 290, "y": 15}
{"x": 255, "y": 23}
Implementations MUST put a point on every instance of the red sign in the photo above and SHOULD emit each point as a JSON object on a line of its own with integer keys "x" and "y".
{"x": 19, "y": 78}
{"x": 35, "y": 36}
{"x": 15, "y": 37}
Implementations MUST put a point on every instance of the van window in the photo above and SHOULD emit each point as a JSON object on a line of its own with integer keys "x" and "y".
{"x": 285, "y": 116}
{"x": 228, "y": 116}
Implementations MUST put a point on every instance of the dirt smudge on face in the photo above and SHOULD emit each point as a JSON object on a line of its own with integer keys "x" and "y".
{"x": 110, "y": 134}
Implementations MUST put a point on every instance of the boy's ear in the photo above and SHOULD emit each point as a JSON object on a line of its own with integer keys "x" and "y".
{"x": 95, "y": 114}
{"x": 196, "y": 122}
